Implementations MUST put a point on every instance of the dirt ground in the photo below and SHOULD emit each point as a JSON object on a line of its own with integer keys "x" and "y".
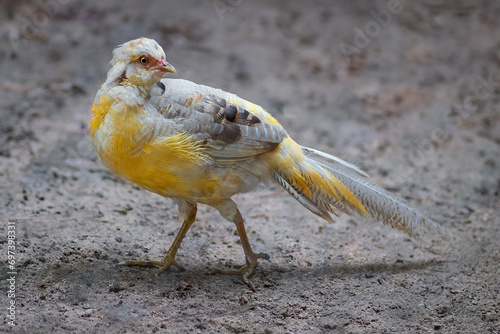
{"x": 409, "y": 92}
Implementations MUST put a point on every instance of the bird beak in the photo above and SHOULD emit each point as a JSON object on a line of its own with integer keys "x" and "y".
{"x": 167, "y": 67}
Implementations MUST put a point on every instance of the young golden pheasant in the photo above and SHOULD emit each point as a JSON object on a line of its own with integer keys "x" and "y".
{"x": 198, "y": 144}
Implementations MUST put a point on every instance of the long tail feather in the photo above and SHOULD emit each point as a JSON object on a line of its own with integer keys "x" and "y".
{"x": 323, "y": 183}
{"x": 333, "y": 158}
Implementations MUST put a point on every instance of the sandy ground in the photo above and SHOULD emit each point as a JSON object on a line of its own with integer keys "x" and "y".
{"x": 412, "y": 98}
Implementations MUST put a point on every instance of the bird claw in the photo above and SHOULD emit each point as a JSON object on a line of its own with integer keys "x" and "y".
{"x": 245, "y": 270}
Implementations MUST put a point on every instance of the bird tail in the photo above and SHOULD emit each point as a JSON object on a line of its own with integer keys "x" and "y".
{"x": 323, "y": 183}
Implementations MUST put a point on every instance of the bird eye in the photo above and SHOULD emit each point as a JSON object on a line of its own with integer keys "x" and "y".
{"x": 143, "y": 60}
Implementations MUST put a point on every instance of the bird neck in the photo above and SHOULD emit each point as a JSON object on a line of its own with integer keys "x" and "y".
{"x": 126, "y": 76}
{"x": 131, "y": 95}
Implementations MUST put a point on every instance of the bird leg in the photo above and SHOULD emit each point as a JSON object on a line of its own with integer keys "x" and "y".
{"x": 250, "y": 257}
{"x": 169, "y": 258}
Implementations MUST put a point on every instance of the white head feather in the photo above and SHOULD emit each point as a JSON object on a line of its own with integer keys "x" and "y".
{"x": 126, "y": 63}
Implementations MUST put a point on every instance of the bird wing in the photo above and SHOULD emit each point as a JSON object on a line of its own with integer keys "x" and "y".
{"x": 229, "y": 127}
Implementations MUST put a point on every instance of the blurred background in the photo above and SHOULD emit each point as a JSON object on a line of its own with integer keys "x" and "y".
{"x": 407, "y": 90}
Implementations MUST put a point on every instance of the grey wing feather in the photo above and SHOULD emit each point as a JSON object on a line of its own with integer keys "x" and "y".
{"x": 228, "y": 130}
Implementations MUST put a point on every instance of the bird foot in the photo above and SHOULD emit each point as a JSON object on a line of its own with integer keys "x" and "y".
{"x": 244, "y": 270}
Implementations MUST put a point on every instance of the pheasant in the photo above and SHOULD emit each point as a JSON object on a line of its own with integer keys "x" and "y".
{"x": 197, "y": 144}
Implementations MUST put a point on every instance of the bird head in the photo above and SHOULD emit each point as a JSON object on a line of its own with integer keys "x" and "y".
{"x": 140, "y": 62}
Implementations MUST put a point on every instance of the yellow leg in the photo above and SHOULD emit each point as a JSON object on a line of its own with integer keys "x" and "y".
{"x": 188, "y": 210}
{"x": 250, "y": 257}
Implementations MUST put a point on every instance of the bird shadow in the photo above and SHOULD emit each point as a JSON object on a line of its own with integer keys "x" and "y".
{"x": 111, "y": 277}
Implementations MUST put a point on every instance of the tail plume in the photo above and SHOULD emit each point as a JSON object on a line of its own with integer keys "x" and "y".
{"x": 323, "y": 183}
